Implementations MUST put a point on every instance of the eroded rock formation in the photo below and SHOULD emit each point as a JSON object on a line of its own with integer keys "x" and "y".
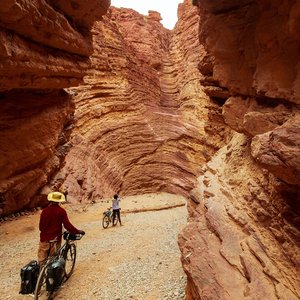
{"x": 211, "y": 108}
{"x": 44, "y": 47}
{"x": 34, "y": 139}
{"x": 45, "y": 44}
{"x": 242, "y": 239}
{"x": 142, "y": 119}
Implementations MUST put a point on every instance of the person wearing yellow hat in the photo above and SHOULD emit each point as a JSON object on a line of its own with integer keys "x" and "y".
{"x": 52, "y": 218}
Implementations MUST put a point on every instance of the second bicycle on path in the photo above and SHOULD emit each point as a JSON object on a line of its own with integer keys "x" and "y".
{"x": 108, "y": 218}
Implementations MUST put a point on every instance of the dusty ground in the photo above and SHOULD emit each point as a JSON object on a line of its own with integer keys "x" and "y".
{"x": 139, "y": 260}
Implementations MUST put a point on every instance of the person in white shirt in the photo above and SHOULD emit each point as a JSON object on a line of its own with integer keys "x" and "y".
{"x": 116, "y": 208}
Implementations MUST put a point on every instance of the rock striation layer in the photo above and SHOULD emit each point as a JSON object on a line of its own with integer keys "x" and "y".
{"x": 33, "y": 144}
{"x": 244, "y": 212}
{"x": 44, "y": 47}
{"x": 45, "y": 44}
{"x": 142, "y": 122}
{"x": 253, "y": 46}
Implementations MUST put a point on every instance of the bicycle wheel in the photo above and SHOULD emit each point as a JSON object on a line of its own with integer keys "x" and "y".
{"x": 105, "y": 222}
{"x": 40, "y": 288}
{"x": 70, "y": 260}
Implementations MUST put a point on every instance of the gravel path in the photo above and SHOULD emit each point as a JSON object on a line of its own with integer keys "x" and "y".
{"x": 139, "y": 260}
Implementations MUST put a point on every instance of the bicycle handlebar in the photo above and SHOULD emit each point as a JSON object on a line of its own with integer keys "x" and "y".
{"x": 73, "y": 236}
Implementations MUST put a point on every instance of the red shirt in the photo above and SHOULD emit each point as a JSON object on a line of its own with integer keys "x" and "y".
{"x": 51, "y": 221}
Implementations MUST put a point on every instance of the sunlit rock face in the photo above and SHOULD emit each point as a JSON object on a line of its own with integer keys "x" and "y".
{"x": 142, "y": 121}
{"x": 242, "y": 238}
{"x": 44, "y": 47}
{"x": 242, "y": 232}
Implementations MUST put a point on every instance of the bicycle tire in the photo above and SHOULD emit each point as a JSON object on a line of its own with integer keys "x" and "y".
{"x": 70, "y": 259}
{"x": 40, "y": 291}
{"x": 105, "y": 222}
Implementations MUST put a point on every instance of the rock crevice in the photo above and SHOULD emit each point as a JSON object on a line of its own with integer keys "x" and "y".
{"x": 41, "y": 52}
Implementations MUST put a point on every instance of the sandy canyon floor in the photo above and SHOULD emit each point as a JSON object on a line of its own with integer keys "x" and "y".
{"x": 139, "y": 260}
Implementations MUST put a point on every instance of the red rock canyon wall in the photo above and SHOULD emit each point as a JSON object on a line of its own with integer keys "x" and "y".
{"x": 242, "y": 238}
{"x": 44, "y": 47}
{"x": 142, "y": 120}
{"x": 209, "y": 110}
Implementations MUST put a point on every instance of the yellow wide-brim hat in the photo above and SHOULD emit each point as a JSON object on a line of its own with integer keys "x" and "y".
{"x": 56, "y": 197}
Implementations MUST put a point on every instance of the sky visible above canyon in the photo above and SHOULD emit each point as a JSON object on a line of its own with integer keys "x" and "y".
{"x": 167, "y": 9}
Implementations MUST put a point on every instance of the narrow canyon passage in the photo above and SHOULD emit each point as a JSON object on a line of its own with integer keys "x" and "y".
{"x": 97, "y": 100}
{"x": 139, "y": 260}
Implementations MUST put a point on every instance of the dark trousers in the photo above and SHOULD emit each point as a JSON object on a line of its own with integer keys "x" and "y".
{"x": 116, "y": 212}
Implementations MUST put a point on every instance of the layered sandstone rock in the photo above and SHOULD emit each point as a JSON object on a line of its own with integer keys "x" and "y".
{"x": 34, "y": 140}
{"x": 244, "y": 213}
{"x": 143, "y": 123}
{"x": 256, "y": 58}
{"x": 254, "y": 46}
{"x": 241, "y": 237}
{"x": 44, "y": 46}
{"x": 274, "y": 129}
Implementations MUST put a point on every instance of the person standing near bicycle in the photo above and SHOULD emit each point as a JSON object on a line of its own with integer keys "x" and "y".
{"x": 52, "y": 218}
{"x": 116, "y": 208}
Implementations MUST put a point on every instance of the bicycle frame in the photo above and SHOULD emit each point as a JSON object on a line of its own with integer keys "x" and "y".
{"x": 68, "y": 247}
{"x": 60, "y": 252}
{"x": 108, "y": 212}
{"x": 107, "y": 218}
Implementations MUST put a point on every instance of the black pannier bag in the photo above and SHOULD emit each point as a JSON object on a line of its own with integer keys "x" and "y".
{"x": 55, "y": 274}
{"x": 29, "y": 275}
